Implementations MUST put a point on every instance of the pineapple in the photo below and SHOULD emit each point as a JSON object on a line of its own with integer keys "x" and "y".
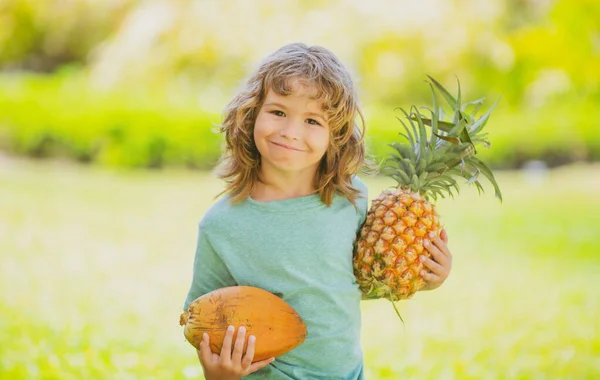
{"x": 386, "y": 260}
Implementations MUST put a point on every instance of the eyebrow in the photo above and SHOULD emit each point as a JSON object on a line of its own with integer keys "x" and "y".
{"x": 284, "y": 107}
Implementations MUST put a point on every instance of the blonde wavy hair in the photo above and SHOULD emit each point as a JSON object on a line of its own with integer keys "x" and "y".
{"x": 315, "y": 66}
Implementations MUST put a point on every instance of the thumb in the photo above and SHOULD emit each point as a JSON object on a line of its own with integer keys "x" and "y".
{"x": 258, "y": 365}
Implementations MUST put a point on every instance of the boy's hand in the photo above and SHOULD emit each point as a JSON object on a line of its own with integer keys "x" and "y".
{"x": 436, "y": 269}
{"x": 230, "y": 365}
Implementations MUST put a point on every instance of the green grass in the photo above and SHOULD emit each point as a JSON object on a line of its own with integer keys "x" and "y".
{"x": 95, "y": 264}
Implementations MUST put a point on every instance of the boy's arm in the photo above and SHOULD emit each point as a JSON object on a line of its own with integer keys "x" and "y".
{"x": 362, "y": 208}
{"x": 210, "y": 272}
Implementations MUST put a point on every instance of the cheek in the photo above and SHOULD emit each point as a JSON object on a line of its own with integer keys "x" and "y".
{"x": 321, "y": 144}
{"x": 256, "y": 134}
{"x": 259, "y": 128}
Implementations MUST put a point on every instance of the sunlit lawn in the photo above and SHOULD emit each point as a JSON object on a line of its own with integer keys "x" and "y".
{"x": 94, "y": 267}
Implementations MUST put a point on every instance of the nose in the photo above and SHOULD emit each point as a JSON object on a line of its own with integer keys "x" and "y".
{"x": 292, "y": 129}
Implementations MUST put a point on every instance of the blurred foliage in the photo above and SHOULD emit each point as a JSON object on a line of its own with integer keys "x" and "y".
{"x": 557, "y": 135}
{"x": 51, "y": 116}
{"x": 44, "y": 35}
{"x": 143, "y": 75}
{"x": 58, "y": 117}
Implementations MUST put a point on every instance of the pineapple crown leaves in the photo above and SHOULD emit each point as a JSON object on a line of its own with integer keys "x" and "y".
{"x": 431, "y": 162}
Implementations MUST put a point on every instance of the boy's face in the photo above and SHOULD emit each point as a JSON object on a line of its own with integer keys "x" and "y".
{"x": 291, "y": 132}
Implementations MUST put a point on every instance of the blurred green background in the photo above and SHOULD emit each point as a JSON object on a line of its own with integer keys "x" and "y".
{"x": 96, "y": 249}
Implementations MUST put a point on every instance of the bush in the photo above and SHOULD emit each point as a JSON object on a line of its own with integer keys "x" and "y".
{"x": 557, "y": 134}
{"x": 49, "y": 116}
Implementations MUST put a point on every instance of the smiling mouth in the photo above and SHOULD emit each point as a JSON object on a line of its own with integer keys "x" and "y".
{"x": 287, "y": 147}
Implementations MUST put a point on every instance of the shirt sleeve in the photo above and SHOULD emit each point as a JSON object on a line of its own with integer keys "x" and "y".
{"x": 362, "y": 202}
{"x": 210, "y": 272}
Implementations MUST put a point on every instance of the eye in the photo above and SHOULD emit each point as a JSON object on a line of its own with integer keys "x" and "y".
{"x": 313, "y": 122}
{"x": 277, "y": 113}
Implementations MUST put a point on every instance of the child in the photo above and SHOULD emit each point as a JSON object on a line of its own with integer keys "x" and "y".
{"x": 291, "y": 213}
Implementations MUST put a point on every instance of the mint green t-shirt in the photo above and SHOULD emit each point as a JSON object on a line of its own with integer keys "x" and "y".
{"x": 300, "y": 250}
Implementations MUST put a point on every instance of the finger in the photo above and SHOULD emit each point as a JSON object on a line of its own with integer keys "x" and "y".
{"x": 431, "y": 278}
{"x": 258, "y": 365}
{"x": 440, "y": 244}
{"x": 226, "y": 349}
{"x": 444, "y": 236}
{"x": 437, "y": 255}
{"x": 247, "y": 361}
{"x": 432, "y": 265}
{"x": 204, "y": 353}
{"x": 238, "y": 348}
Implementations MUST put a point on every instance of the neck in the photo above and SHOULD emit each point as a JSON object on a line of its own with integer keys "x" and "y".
{"x": 272, "y": 187}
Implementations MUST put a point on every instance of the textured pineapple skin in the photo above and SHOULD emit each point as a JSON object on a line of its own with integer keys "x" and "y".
{"x": 386, "y": 259}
